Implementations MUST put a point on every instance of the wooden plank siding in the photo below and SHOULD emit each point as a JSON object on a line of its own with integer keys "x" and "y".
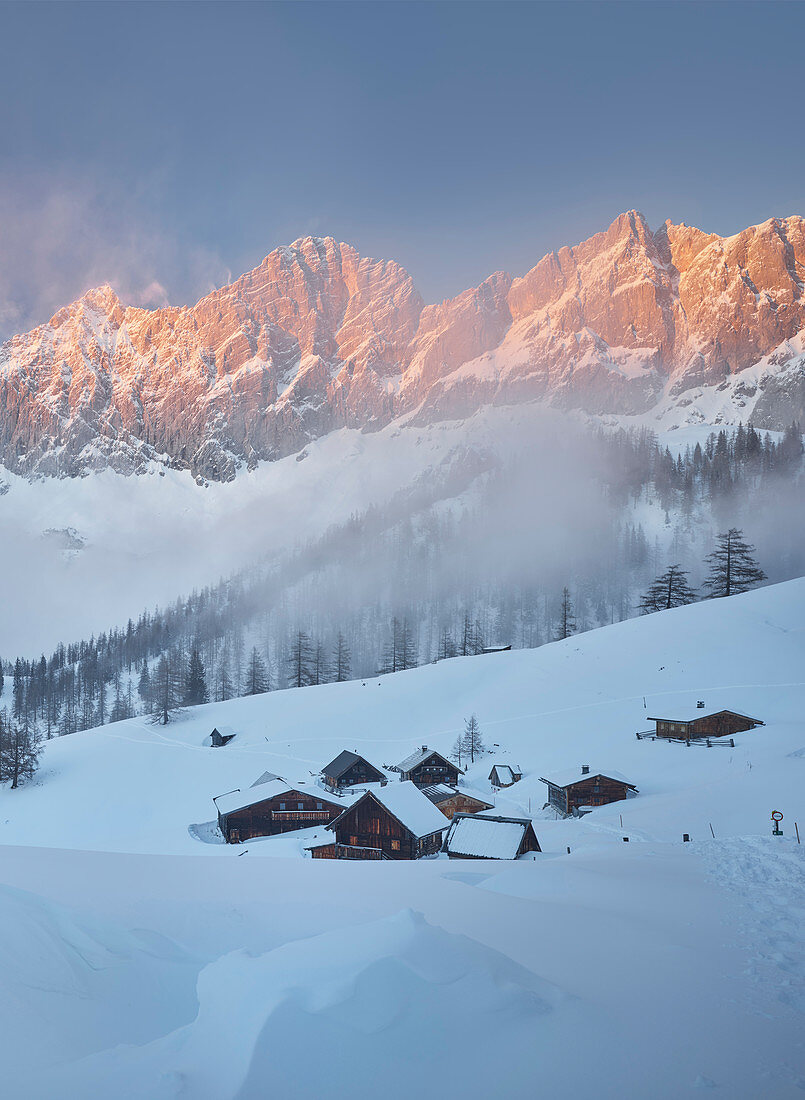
{"x": 434, "y": 769}
{"x": 592, "y": 790}
{"x": 280, "y": 814}
{"x": 723, "y": 723}
{"x": 370, "y": 825}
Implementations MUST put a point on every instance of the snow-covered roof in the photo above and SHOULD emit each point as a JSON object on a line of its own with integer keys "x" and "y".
{"x": 266, "y": 777}
{"x": 505, "y": 772}
{"x": 239, "y": 800}
{"x": 575, "y": 775}
{"x": 417, "y": 757}
{"x": 710, "y": 714}
{"x": 343, "y": 762}
{"x": 408, "y": 804}
{"x": 486, "y": 837}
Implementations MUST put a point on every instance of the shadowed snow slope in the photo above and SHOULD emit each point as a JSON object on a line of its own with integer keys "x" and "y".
{"x": 235, "y": 971}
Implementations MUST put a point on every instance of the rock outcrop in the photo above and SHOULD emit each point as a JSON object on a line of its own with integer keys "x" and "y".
{"x": 317, "y": 338}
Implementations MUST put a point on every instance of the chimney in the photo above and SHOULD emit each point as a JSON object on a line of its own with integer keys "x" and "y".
{"x": 424, "y": 748}
{"x": 585, "y": 769}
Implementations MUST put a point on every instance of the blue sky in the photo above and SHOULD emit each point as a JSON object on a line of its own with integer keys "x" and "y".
{"x": 162, "y": 146}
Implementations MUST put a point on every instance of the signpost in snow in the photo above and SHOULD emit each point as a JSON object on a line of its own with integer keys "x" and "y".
{"x": 776, "y": 817}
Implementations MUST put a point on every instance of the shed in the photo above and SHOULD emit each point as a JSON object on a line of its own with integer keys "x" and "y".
{"x": 722, "y": 723}
{"x": 396, "y": 821}
{"x": 272, "y": 807}
{"x": 568, "y": 790}
{"x": 218, "y": 739}
{"x": 348, "y": 770}
{"x": 451, "y": 801}
{"x": 505, "y": 775}
{"x": 473, "y": 836}
{"x": 425, "y": 767}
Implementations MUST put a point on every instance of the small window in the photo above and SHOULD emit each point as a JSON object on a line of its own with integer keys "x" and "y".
{"x": 300, "y": 805}
{"x": 353, "y": 841}
{"x": 319, "y": 806}
{"x": 282, "y": 805}
{"x": 395, "y": 845}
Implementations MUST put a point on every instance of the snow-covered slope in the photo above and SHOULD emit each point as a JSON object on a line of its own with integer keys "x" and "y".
{"x": 647, "y": 968}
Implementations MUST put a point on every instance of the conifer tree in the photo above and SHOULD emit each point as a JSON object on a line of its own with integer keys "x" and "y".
{"x": 195, "y": 686}
{"x": 669, "y": 590}
{"x": 166, "y": 689}
{"x": 299, "y": 660}
{"x": 256, "y": 675}
{"x": 342, "y": 660}
{"x": 21, "y": 748}
{"x": 472, "y": 740}
{"x": 567, "y": 622}
{"x": 733, "y": 567}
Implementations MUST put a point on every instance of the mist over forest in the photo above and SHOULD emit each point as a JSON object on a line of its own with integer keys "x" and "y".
{"x": 563, "y": 535}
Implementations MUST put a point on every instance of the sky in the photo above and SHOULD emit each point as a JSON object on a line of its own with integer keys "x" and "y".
{"x": 166, "y": 147}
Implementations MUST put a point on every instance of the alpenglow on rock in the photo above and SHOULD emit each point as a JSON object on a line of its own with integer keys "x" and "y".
{"x": 317, "y": 338}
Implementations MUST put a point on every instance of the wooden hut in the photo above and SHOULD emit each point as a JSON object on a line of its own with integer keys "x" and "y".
{"x": 392, "y": 822}
{"x": 722, "y": 723}
{"x": 425, "y": 767}
{"x": 505, "y": 775}
{"x": 451, "y": 801}
{"x": 272, "y": 807}
{"x": 485, "y": 836}
{"x": 581, "y": 787}
{"x": 350, "y": 770}
{"x": 218, "y": 739}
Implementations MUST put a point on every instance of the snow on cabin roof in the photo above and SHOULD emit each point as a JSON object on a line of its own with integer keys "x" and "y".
{"x": 343, "y": 762}
{"x": 408, "y": 804}
{"x": 570, "y": 776}
{"x": 266, "y": 777}
{"x": 486, "y": 837}
{"x": 505, "y": 771}
{"x": 239, "y": 800}
{"x": 417, "y": 757}
{"x": 710, "y": 714}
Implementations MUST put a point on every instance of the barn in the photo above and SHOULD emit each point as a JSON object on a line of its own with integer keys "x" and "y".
{"x": 425, "y": 767}
{"x": 473, "y": 836}
{"x": 272, "y": 807}
{"x": 505, "y": 775}
{"x": 451, "y": 801}
{"x": 583, "y": 787}
{"x": 722, "y": 723}
{"x": 349, "y": 770}
{"x": 392, "y": 822}
{"x": 218, "y": 739}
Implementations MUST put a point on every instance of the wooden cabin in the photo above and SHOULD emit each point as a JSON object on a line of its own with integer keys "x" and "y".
{"x": 722, "y": 723}
{"x": 218, "y": 740}
{"x": 451, "y": 801}
{"x": 580, "y": 787}
{"x": 426, "y": 767}
{"x": 505, "y": 775}
{"x": 392, "y": 822}
{"x": 272, "y": 807}
{"x": 490, "y": 837}
{"x": 350, "y": 770}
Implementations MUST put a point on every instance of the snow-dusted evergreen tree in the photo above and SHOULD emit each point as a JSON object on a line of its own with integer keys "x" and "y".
{"x": 20, "y": 752}
{"x": 669, "y": 590}
{"x": 195, "y": 685}
{"x": 733, "y": 567}
{"x": 447, "y": 645}
{"x": 458, "y": 749}
{"x": 166, "y": 688}
{"x": 320, "y": 673}
{"x": 300, "y": 660}
{"x": 224, "y": 688}
{"x": 342, "y": 660}
{"x": 144, "y": 687}
{"x": 567, "y": 621}
{"x": 256, "y": 674}
{"x": 472, "y": 740}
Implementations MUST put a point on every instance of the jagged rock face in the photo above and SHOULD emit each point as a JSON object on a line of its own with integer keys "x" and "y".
{"x": 318, "y": 337}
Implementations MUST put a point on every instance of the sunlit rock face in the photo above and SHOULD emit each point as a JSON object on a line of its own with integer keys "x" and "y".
{"x": 317, "y": 338}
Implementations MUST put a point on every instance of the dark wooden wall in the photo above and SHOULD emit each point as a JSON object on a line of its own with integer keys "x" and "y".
{"x": 267, "y": 818}
{"x": 720, "y": 725}
{"x": 370, "y": 825}
{"x": 584, "y": 793}
{"x": 431, "y": 771}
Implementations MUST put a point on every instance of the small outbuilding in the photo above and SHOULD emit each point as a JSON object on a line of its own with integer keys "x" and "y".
{"x": 505, "y": 775}
{"x": 451, "y": 801}
{"x": 272, "y": 807}
{"x": 392, "y": 822}
{"x": 582, "y": 787}
{"x": 722, "y": 723}
{"x": 350, "y": 770}
{"x": 425, "y": 767}
{"x": 218, "y": 739}
{"x": 483, "y": 836}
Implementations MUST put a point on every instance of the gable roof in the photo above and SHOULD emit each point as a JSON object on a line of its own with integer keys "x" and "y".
{"x": 486, "y": 837}
{"x": 441, "y": 792}
{"x": 506, "y": 773}
{"x": 266, "y": 777}
{"x": 405, "y": 802}
{"x": 272, "y": 788}
{"x": 710, "y": 714}
{"x": 343, "y": 762}
{"x": 421, "y": 754}
{"x": 570, "y": 776}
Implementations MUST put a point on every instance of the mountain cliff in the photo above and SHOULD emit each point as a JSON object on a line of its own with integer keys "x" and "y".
{"x": 318, "y": 337}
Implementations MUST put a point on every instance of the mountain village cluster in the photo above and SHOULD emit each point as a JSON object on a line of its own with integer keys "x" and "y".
{"x": 430, "y": 810}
